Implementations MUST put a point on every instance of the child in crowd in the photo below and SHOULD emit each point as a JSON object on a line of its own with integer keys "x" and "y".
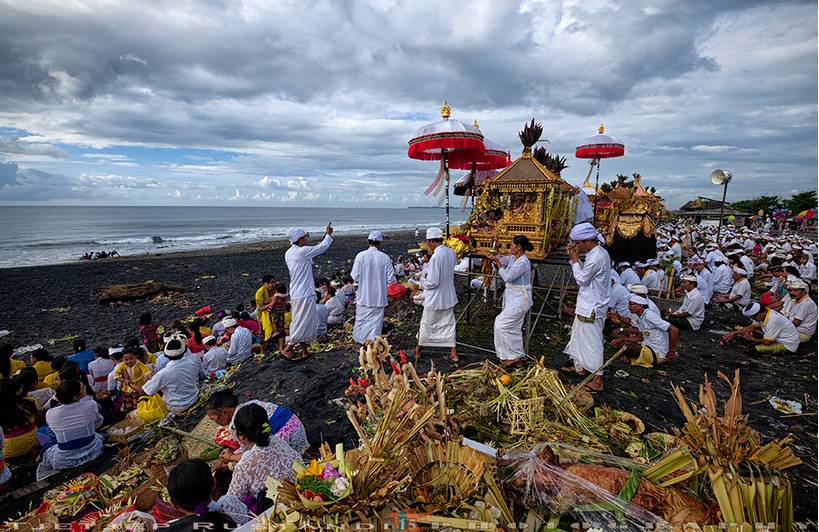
{"x": 278, "y": 308}
{"x": 195, "y": 344}
{"x": 148, "y": 332}
{"x": 82, "y": 355}
{"x": 130, "y": 372}
{"x": 335, "y": 307}
{"x": 99, "y": 368}
{"x": 348, "y": 289}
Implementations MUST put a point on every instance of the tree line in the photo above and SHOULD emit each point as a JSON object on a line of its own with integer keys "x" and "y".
{"x": 796, "y": 203}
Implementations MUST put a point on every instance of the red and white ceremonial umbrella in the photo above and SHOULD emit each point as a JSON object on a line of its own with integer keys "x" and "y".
{"x": 445, "y": 141}
{"x": 494, "y": 158}
{"x": 600, "y": 146}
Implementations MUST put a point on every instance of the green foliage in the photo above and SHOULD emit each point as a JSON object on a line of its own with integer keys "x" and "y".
{"x": 801, "y": 201}
{"x": 762, "y": 203}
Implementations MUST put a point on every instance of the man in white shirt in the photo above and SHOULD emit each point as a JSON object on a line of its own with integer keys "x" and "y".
{"x": 807, "y": 269}
{"x": 656, "y": 341}
{"x": 659, "y": 272}
{"x": 179, "y": 380}
{"x": 713, "y": 254}
{"x": 438, "y": 283}
{"x": 691, "y": 313}
{"x": 801, "y": 311}
{"x": 675, "y": 248}
{"x": 618, "y": 300}
{"x": 593, "y": 277}
{"x": 778, "y": 333}
{"x": 704, "y": 280}
{"x": 299, "y": 259}
{"x": 721, "y": 278}
{"x": 241, "y": 341}
{"x": 747, "y": 264}
{"x": 374, "y": 272}
{"x": 627, "y": 274}
{"x": 740, "y": 291}
{"x": 215, "y": 358}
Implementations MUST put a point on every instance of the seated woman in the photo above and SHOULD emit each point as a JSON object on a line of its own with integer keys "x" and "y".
{"x": 8, "y": 364}
{"x": 266, "y": 455}
{"x": 283, "y": 423}
{"x": 41, "y": 361}
{"x": 130, "y": 373}
{"x": 74, "y": 424}
{"x": 17, "y": 419}
{"x": 28, "y": 379}
{"x": 190, "y": 485}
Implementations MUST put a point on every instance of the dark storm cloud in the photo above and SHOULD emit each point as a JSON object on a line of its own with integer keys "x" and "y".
{"x": 298, "y": 91}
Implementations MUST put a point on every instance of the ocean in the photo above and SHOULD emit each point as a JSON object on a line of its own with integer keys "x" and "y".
{"x": 34, "y": 236}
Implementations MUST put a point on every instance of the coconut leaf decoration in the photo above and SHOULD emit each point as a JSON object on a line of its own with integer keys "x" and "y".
{"x": 555, "y": 163}
{"x": 531, "y": 134}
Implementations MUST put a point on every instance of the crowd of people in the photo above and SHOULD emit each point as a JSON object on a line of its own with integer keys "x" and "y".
{"x": 55, "y": 406}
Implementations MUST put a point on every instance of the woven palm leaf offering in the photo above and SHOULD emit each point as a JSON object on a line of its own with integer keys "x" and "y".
{"x": 521, "y": 408}
{"x": 746, "y": 478}
{"x": 444, "y": 475}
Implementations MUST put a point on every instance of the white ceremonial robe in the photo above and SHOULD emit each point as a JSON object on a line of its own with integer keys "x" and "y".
{"x": 517, "y": 299}
{"x": 299, "y": 261}
{"x": 438, "y": 282}
{"x": 374, "y": 272}
{"x": 304, "y": 321}
{"x": 593, "y": 278}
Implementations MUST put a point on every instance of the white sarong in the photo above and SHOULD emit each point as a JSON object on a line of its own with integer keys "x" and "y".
{"x": 508, "y": 324}
{"x": 586, "y": 344}
{"x": 368, "y": 321}
{"x": 437, "y": 328}
{"x": 304, "y": 322}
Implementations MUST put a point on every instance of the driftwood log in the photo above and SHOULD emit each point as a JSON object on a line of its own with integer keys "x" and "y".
{"x": 130, "y": 292}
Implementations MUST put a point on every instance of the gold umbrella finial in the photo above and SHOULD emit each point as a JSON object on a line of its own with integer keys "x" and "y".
{"x": 601, "y": 129}
{"x": 475, "y": 124}
{"x": 445, "y": 111}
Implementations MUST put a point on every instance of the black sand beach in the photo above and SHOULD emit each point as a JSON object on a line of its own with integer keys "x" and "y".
{"x": 51, "y": 302}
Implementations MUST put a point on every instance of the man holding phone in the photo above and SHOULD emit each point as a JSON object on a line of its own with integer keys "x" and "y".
{"x": 299, "y": 259}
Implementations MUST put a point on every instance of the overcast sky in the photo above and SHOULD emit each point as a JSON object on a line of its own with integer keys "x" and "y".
{"x": 312, "y": 103}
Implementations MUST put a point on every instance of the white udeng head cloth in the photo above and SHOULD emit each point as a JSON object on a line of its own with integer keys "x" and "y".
{"x": 434, "y": 233}
{"x": 295, "y": 233}
{"x": 638, "y": 289}
{"x": 751, "y": 310}
{"x": 583, "y": 231}
{"x": 375, "y": 236}
{"x": 640, "y": 300}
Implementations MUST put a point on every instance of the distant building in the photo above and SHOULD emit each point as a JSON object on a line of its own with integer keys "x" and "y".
{"x": 703, "y": 208}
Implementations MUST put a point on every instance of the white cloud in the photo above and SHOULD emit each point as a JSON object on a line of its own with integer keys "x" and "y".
{"x": 324, "y": 115}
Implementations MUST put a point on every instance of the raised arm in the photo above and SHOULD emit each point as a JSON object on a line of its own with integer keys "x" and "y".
{"x": 310, "y": 252}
